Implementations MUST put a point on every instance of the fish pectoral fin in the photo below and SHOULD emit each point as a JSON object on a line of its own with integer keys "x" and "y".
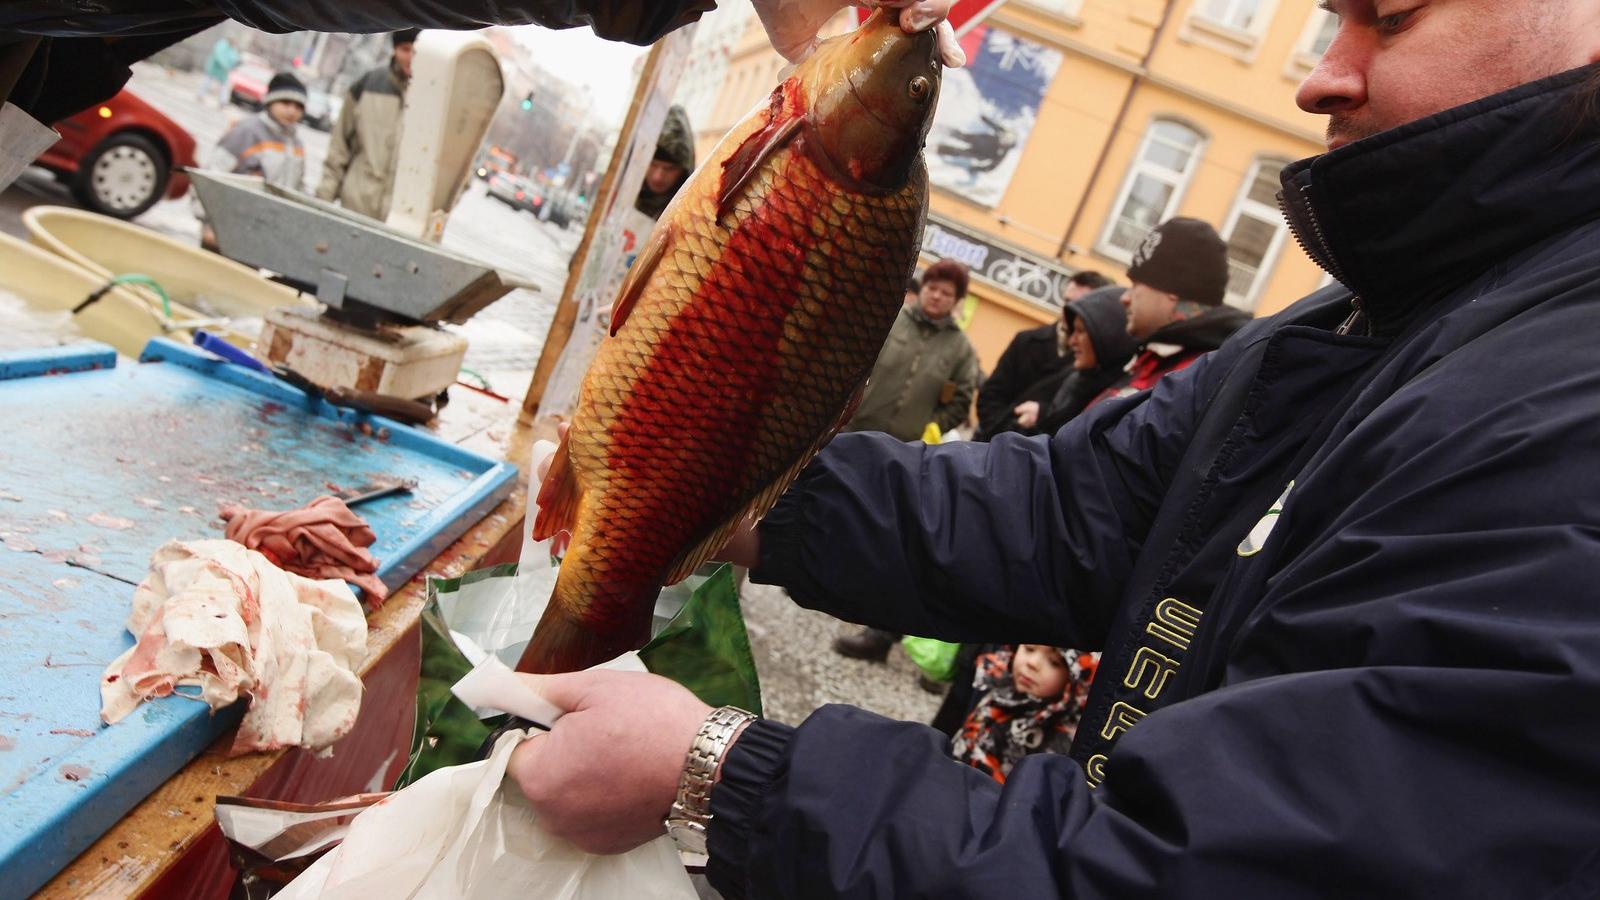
{"x": 558, "y": 495}
{"x": 742, "y": 165}
{"x": 639, "y": 274}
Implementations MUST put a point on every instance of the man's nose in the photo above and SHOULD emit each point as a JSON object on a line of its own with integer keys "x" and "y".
{"x": 1339, "y": 82}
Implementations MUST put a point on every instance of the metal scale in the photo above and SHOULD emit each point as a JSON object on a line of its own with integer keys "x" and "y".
{"x": 385, "y": 287}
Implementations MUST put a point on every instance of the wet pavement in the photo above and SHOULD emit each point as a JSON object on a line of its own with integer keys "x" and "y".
{"x": 799, "y": 670}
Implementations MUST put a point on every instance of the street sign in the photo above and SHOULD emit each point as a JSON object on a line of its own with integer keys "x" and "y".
{"x": 964, "y": 15}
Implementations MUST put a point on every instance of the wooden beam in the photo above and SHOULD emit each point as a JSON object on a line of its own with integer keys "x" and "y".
{"x": 566, "y": 314}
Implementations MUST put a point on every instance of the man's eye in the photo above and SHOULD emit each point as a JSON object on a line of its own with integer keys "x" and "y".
{"x": 1393, "y": 22}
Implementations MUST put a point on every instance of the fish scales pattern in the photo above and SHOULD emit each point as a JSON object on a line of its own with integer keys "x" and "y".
{"x": 738, "y": 357}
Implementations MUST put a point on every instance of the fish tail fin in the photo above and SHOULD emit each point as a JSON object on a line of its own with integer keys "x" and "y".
{"x": 565, "y": 642}
{"x": 558, "y": 495}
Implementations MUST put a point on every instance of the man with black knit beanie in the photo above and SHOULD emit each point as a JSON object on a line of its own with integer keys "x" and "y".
{"x": 1175, "y": 308}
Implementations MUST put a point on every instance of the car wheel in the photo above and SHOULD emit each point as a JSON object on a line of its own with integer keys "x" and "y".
{"x": 123, "y": 176}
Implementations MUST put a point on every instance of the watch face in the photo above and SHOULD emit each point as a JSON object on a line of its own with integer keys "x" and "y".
{"x": 689, "y": 838}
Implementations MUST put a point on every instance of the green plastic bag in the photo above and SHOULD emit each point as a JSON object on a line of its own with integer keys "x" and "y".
{"x": 702, "y": 645}
{"x": 936, "y": 659}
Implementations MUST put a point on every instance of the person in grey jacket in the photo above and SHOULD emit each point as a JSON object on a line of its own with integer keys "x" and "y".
{"x": 266, "y": 145}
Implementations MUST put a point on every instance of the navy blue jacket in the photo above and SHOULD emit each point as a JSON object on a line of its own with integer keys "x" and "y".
{"x": 1347, "y": 585}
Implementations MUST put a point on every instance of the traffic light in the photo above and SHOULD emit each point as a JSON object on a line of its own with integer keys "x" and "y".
{"x": 527, "y": 101}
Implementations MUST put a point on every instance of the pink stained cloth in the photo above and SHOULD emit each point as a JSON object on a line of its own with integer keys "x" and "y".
{"x": 323, "y": 539}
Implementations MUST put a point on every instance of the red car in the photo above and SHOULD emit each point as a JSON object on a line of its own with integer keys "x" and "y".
{"x": 121, "y": 156}
{"x": 247, "y": 84}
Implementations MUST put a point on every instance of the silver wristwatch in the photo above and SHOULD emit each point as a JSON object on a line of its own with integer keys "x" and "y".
{"x": 691, "y": 811}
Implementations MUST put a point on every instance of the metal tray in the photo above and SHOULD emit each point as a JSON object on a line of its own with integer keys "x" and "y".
{"x": 100, "y": 465}
{"x": 346, "y": 260}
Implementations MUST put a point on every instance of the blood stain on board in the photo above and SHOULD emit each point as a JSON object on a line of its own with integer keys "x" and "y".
{"x": 103, "y": 520}
{"x": 74, "y": 772}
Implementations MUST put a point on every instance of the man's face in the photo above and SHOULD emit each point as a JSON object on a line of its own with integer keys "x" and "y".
{"x": 1148, "y": 309}
{"x": 402, "y": 58}
{"x": 286, "y": 112}
{"x": 1083, "y": 355}
{"x": 1396, "y": 61}
{"x": 662, "y": 175}
{"x": 938, "y": 298}
{"x": 1075, "y": 291}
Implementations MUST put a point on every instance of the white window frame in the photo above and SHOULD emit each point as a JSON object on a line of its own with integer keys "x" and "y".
{"x": 1071, "y": 10}
{"x": 1305, "y": 58}
{"x": 1103, "y": 245}
{"x": 1243, "y": 43}
{"x": 1262, "y": 212}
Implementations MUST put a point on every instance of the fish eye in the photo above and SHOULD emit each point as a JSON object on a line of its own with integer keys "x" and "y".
{"x": 919, "y": 87}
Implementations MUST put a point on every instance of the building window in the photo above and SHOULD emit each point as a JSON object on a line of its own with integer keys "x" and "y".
{"x": 1161, "y": 171}
{"x": 1254, "y": 232}
{"x": 1240, "y": 15}
{"x": 1068, "y": 9}
{"x": 1314, "y": 41}
{"x": 1324, "y": 26}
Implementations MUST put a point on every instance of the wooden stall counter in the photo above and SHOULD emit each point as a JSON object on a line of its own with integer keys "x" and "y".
{"x": 169, "y": 845}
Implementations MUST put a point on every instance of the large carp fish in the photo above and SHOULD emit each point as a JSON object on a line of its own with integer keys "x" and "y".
{"x": 742, "y": 337}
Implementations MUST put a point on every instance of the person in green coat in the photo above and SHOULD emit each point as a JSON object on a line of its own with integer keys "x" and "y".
{"x": 927, "y": 370}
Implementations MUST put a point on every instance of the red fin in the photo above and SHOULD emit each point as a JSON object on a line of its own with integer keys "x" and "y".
{"x": 783, "y": 120}
{"x": 558, "y": 495}
{"x": 638, "y": 274}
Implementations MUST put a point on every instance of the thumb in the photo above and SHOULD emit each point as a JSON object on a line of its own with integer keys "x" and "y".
{"x": 568, "y": 692}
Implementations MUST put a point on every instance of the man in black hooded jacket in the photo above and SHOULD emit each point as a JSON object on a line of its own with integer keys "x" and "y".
{"x": 1342, "y": 570}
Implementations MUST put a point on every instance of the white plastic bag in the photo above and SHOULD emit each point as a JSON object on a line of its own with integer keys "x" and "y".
{"x": 465, "y": 833}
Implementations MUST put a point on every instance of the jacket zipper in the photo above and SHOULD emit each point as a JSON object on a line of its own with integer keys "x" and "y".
{"x": 1319, "y": 251}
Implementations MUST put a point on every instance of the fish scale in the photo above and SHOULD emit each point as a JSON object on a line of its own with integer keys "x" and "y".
{"x": 732, "y": 362}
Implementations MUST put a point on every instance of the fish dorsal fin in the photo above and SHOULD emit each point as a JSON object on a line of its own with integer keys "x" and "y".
{"x": 558, "y": 495}
{"x": 763, "y": 502}
{"x": 639, "y": 274}
{"x": 784, "y": 118}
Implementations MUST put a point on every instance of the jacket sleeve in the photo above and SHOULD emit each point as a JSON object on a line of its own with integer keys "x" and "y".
{"x": 614, "y": 20}
{"x": 1407, "y": 712}
{"x": 965, "y": 377}
{"x": 341, "y": 148}
{"x": 945, "y": 541}
{"x": 1001, "y": 385}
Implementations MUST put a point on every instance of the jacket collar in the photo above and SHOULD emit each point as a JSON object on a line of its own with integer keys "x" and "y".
{"x": 921, "y": 318}
{"x": 1402, "y": 216}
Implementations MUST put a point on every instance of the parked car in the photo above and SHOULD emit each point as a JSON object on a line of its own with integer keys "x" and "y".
{"x": 121, "y": 156}
{"x": 247, "y": 83}
{"x": 514, "y": 192}
{"x": 322, "y": 110}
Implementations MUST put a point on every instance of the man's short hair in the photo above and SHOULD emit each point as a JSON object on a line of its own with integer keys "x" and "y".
{"x": 1090, "y": 279}
{"x": 913, "y": 286}
{"x": 947, "y": 270}
{"x": 404, "y": 36}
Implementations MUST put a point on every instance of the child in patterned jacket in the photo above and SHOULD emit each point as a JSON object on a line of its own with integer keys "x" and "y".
{"x": 1029, "y": 700}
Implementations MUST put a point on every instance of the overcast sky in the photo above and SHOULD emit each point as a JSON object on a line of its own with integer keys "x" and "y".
{"x": 578, "y": 56}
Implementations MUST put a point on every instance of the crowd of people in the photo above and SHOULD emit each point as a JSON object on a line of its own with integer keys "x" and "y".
{"x": 1108, "y": 342}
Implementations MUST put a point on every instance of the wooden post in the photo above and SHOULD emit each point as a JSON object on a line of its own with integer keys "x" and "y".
{"x": 566, "y": 314}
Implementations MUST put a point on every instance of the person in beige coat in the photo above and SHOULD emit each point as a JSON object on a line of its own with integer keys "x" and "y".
{"x": 359, "y": 170}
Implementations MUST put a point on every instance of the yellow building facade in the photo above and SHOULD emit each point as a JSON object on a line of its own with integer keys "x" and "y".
{"x": 1090, "y": 122}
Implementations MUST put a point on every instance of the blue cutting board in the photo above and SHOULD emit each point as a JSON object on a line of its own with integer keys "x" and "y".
{"x": 99, "y": 465}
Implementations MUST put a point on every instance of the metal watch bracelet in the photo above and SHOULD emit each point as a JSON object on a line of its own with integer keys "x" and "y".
{"x": 691, "y": 811}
